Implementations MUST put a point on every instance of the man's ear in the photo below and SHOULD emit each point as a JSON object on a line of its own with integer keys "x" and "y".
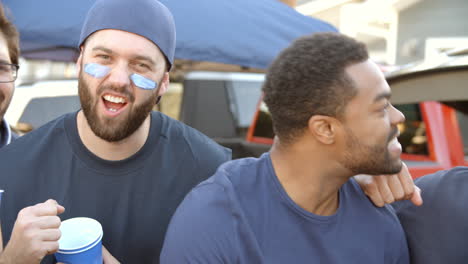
{"x": 164, "y": 84}
{"x": 323, "y": 128}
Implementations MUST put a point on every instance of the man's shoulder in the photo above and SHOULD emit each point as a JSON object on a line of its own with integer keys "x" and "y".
{"x": 202, "y": 228}
{"x": 455, "y": 177}
{"x": 359, "y": 199}
{"x": 243, "y": 173}
{"x": 444, "y": 195}
{"x": 37, "y": 139}
{"x": 229, "y": 176}
{"x": 445, "y": 188}
{"x": 436, "y": 230}
{"x": 198, "y": 143}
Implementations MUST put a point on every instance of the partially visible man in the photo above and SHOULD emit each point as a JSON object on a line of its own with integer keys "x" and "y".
{"x": 332, "y": 115}
{"x": 9, "y": 54}
{"x": 115, "y": 160}
{"x": 437, "y": 229}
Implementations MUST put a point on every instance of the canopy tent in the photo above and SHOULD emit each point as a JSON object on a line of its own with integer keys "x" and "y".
{"x": 248, "y": 33}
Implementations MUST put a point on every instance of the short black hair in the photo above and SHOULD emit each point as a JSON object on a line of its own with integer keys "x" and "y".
{"x": 308, "y": 78}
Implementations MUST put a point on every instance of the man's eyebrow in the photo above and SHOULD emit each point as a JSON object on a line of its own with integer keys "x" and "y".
{"x": 101, "y": 48}
{"x": 145, "y": 58}
{"x": 384, "y": 95}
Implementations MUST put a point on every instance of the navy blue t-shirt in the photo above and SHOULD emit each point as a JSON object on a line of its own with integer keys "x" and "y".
{"x": 133, "y": 199}
{"x": 437, "y": 231}
{"x": 243, "y": 215}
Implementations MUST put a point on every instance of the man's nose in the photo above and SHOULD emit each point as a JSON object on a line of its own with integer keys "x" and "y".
{"x": 119, "y": 76}
{"x": 397, "y": 117}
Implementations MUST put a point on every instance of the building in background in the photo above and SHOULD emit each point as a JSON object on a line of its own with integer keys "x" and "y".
{"x": 396, "y": 31}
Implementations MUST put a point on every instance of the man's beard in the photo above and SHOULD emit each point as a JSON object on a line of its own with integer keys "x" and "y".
{"x": 109, "y": 129}
{"x": 373, "y": 160}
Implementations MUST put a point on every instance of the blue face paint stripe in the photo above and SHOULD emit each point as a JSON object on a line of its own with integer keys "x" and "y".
{"x": 99, "y": 71}
{"x": 143, "y": 82}
{"x": 96, "y": 70}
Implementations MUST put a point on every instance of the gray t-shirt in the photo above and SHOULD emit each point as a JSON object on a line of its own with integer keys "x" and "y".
{"x": 133, "y": 199}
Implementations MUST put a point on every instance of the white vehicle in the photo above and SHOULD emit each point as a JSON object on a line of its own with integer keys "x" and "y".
{"x": 35, "y": 104}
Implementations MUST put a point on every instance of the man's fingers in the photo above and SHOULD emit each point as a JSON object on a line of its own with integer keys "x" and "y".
{"x": 60, "y": 209}
{"x": 406, "y": 181}
{"x": 384, "y": 189}
{"x": 377, "y": 199}
{"x": 50, "y": 207}
{"x": 50, "y": 235}
{"x": 416, "y": 199}
{"x": 50, "y": 247}
{"x": 371, "y": 189}
{"x": 395, "y": 186}
{"x": 48, "y": 222}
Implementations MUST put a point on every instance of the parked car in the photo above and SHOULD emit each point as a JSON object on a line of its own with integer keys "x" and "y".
{"x": 434, "y": 98}
{"x": 220, "y": 104}
{"x": 37, "y": 103}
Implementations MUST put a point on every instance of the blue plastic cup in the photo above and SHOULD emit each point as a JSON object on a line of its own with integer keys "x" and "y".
{"x": 81, "y": 241}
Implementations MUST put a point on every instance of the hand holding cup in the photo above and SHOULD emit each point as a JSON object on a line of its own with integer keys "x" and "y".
{"x": 35, "y": 233}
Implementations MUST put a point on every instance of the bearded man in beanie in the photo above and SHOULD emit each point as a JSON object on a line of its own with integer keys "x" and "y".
{"x": 114, "y": 160}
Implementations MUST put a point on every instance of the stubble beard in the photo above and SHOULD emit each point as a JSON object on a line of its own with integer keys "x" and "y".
{"x": 113, "y": 129}
{"x": 373, "y": 160}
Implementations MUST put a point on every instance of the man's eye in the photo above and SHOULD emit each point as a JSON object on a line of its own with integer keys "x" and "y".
{"x": 103, "y": 56}
{"x": 385, "y": 107}
{"x": 4, "y": 68}
{"x": 145, "y": 66}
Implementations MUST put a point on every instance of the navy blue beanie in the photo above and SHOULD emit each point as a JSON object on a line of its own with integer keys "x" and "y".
{"x": 148, "y": 18}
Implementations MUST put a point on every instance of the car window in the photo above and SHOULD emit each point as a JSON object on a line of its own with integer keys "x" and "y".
{"x": 264, "y": 125}
{"x": 44, "y": 109}
{"x": 243, "y": 98}
{"x": 463, "y": 123}
{"x": 461, "y": 110}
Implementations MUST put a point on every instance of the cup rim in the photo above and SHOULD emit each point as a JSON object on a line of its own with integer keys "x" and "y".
{"x": 87, "y": 245}
{"x": 70, "y": 252}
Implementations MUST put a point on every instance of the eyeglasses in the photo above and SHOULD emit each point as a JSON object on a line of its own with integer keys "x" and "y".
{"x": 8, "y": 72}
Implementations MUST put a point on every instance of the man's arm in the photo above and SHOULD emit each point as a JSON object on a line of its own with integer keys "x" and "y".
{"x": 201, "y": 230}
{"x": 386, "y": 189}
{"x": 35, "y": 234}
